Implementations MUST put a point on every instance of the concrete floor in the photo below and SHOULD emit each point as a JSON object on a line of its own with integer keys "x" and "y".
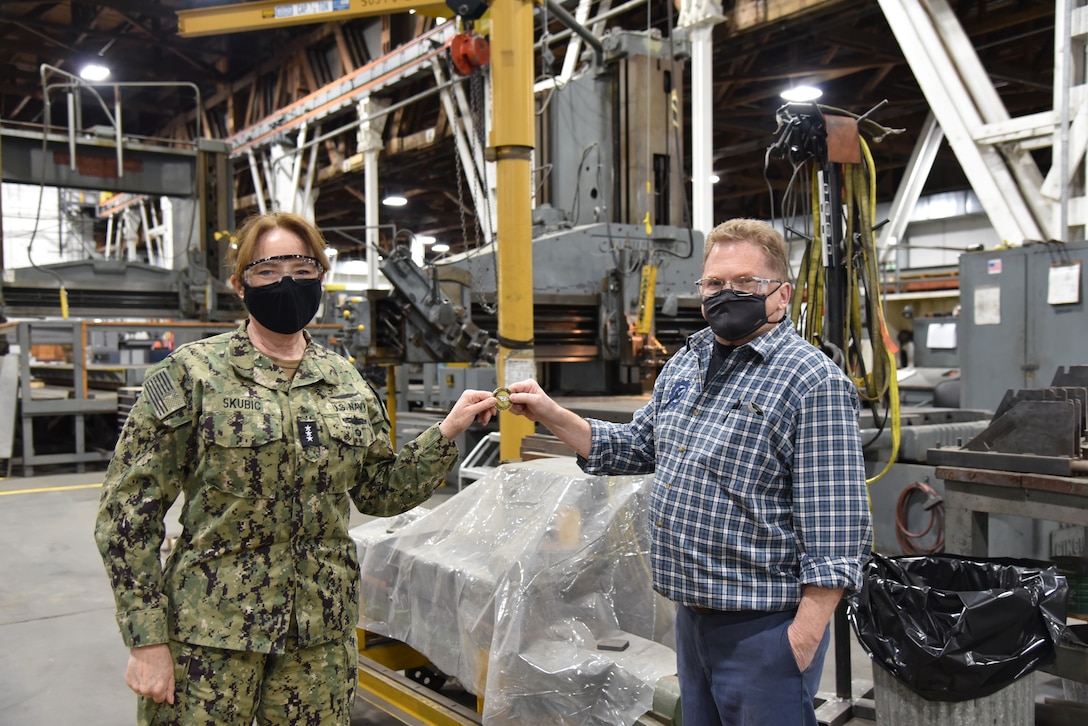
{"x": 61, "y": 658}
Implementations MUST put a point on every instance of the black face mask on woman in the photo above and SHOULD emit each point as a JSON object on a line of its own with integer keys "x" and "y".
{"x": 286, "y": 306}
{"x": 735, "y": 317}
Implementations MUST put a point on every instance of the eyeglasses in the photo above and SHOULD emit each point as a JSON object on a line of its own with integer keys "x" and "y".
{"x": 271, "y": 270}
{"x": 744, "y": 286}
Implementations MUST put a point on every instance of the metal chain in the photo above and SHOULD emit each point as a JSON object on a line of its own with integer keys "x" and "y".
{"x": 460, "y": 195}
{"x": 472, "y": 247}
{"x": 457, "y": 165}
{"x": 476, "y": 107}
{"x": 475, "y": 103}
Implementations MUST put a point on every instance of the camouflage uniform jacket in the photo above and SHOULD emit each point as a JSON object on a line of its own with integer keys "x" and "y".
{"x": 266, "y": 466}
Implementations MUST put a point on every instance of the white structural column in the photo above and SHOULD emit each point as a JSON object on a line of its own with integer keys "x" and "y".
{"x": 995, "y": 117}
{"x": 281, "y": 176}
{"x": 255, "y": 175}
{"x": 298, "y": 197}
{"x": 277, "y": 170}
{"x": 702, "y": 129}
{"x": 574, "y": 45}
{"x": 700, "y": 17}
{"x": 914, "y": 179}
{"x": 372, "y": 124}
{"x": 180, "y": 217}
{"x": 1066, "y": 181}
{"x": 942, "y": 81}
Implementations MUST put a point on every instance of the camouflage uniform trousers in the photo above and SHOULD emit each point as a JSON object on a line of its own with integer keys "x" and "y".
{"x": 313, "y": 686}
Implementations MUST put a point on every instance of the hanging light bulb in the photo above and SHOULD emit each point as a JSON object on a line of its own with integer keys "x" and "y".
{"x": 94, "y": 72}
{"x": 801, "y": 93}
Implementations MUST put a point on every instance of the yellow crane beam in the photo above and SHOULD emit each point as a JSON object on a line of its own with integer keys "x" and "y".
{"x": 271, "y": 14}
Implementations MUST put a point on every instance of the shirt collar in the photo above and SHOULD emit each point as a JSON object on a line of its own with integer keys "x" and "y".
{"x": 766, "y": 343}
{"x": 251, "y": 363}
{"x": 762, "y": 345}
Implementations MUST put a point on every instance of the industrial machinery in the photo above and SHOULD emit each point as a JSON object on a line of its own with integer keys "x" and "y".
{"x": 613, "y": 258}
{"x": 417, "y": 322}
{"x": 109, "y": 159}
{"x": 532, "y": 589}
{"x": 1018, "y": 307}
{"x": 1033, "y": 430}
{"x": 1018, "y": 489}
{"x": 613, "y": 255}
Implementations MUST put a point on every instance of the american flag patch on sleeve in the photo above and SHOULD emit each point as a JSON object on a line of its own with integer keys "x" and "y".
{"x": 163, "y": 394}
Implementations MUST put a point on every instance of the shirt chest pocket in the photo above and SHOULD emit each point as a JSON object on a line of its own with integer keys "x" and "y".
{"x": 350, "y": 436}
{"x": 742, "y": 451}
{"x": 244, "y": 453}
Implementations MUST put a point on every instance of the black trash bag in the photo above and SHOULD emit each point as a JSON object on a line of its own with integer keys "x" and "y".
{"x": 953, "y": 628}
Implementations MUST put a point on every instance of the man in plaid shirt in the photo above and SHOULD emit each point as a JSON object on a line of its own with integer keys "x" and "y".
{"x": 759, "y": 513}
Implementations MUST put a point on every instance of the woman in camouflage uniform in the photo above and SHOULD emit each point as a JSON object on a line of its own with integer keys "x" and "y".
{"x": 269, "y": 439}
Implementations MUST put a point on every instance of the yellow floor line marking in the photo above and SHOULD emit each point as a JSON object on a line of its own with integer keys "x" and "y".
{"x": 52, "y": 489}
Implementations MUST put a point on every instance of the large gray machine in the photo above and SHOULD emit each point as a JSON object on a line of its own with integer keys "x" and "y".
{"x": 1023, "y": 317}
{"x": 1023, "y": 393}
{"x": 613, "y": 256}
{"x": 195, "y": 176}
{"x": 611, "y": 238}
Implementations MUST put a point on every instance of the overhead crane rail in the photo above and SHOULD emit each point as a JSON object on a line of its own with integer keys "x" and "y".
{"x": 272, "y": 14}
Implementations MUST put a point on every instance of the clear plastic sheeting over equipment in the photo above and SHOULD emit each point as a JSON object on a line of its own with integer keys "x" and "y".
{"x": 954, "y": 629}
{"x": 532, "y": 587}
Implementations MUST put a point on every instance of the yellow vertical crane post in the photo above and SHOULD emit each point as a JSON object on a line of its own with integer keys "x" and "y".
{"x": 511, "y": 146}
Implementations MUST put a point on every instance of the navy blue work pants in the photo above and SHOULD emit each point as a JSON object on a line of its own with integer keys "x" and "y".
{"x": 738, "y": 669}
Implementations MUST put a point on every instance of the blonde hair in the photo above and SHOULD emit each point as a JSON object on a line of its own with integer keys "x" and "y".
{"x": 756, "y": 232}
{"x": 255, "y": 227}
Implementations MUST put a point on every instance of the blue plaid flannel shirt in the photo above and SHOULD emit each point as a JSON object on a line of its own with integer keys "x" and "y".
{"x": 759, "y": 484}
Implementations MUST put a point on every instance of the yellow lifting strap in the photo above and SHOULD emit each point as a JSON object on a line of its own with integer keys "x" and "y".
{"x": 874, "y": 370}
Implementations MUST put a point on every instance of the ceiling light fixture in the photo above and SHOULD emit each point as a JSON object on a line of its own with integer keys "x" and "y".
{"x": 801, "y": 93}
{"x": 440, "y": 247}
{"x": 94, "y": 72}
{"x": 426, "y": 239}
{"x": 394, "y": 200}
{"x": 714, "y": 178}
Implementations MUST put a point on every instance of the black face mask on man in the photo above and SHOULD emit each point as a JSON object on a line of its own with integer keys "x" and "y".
{"x": 733, "y": 316}
{"x": 286, "y": 306}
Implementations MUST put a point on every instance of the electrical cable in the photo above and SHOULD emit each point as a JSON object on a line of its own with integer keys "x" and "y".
{"x": 908, "y": 540}
{"x": 893, "y": 413}
{"x": 869, "y": 354}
